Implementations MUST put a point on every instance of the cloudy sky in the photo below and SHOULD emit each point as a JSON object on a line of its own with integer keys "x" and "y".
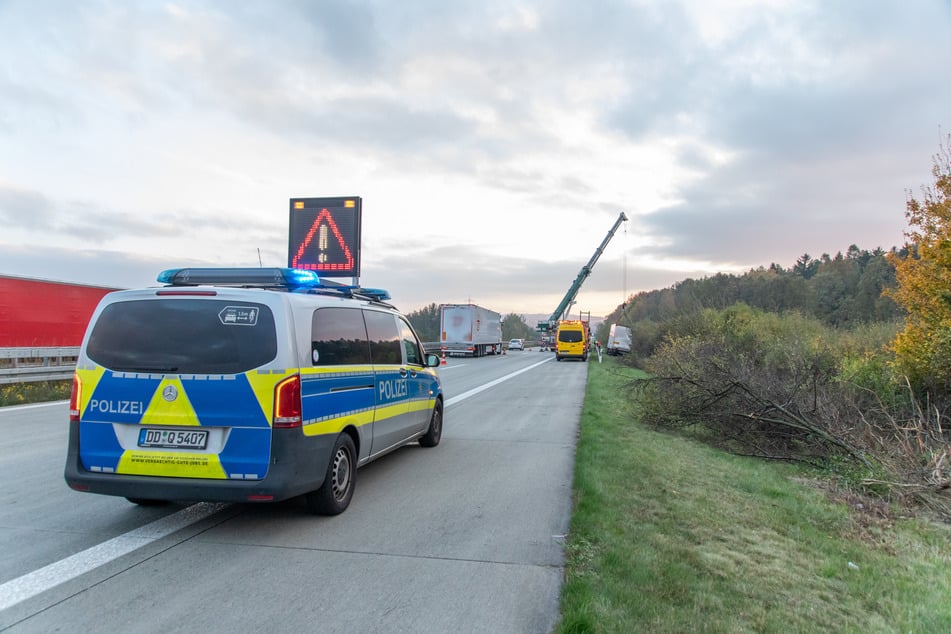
{"x": 494, "y": 143}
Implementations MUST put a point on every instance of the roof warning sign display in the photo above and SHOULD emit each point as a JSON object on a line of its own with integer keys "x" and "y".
{"x": 325, "y": 235}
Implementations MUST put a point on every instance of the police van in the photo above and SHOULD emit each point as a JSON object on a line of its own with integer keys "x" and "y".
{"x": 246, "y": 385}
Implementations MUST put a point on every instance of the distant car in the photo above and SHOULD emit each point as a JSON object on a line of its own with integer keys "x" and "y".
{"x": 517, "y": 344}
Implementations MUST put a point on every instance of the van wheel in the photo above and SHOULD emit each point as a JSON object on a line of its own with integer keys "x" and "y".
{"x": 434, "y": 433}
{"x": 334, "y": 495}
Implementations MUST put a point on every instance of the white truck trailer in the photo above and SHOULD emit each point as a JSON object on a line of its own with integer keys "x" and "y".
{"x": 469, "y": 330}
{"x": 619, "y": 340}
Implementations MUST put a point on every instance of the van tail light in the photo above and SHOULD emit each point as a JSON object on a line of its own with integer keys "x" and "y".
{"x": 75, "y": 398}
{"x": 287, "y": 405}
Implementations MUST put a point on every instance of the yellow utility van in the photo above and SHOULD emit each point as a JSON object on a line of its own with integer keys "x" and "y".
{"x": 572, "y": 340}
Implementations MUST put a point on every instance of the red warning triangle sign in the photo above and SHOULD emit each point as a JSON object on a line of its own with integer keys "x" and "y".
{"x": 324, "y": 263}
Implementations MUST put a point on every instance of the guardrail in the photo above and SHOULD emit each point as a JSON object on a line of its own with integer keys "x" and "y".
{"x": 23, "y": 365}
{"x": 434, "y": 347}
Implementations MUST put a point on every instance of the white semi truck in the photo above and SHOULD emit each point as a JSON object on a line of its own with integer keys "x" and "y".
{"x": 469, "y": 330}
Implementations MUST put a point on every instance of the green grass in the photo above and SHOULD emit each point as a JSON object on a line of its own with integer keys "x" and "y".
{"x": 670, "y": 535}
{"x": 35, "y": 392}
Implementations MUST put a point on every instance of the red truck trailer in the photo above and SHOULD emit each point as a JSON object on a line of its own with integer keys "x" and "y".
{"x": 44, "y": 314}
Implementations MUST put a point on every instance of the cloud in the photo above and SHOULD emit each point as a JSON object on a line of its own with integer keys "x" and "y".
{"x": 806, "y": 128}
{"x": 113, "y": 269}
{"x": 460, "y": 274}
{"x": 493, "y": 143}
{"x": 29, "y": 209}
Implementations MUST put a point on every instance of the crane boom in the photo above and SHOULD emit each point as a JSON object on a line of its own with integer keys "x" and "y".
{"x": 582, "y": 276}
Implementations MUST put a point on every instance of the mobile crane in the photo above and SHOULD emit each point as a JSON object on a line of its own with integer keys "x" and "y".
{"x": 548, "y": 327}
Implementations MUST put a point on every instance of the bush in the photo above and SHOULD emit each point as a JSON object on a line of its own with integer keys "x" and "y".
{"x": 787, "y": 387}
{"x": 35, "y": 392}
{"x": 756, "y": 379}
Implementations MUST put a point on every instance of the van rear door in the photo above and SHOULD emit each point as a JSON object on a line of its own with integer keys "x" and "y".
{"x": 169, "y": 387}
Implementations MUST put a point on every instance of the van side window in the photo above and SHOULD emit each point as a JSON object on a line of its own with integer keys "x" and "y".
{"x": 339, "y": 337}
{"x": 411, "y": 347}
{"x": 384, "y": 338}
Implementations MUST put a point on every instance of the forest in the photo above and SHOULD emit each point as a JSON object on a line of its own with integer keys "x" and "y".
{"x": 841, "y": 291}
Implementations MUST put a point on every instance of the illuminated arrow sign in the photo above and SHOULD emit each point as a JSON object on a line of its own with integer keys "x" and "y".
{"x": 325, "y": 235}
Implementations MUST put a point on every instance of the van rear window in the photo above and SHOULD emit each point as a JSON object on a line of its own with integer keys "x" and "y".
{"x": 569, "y": 336}
{"x": 184, "y": 336}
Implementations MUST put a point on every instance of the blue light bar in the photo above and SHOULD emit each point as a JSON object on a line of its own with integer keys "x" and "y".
{"x": 246, "y": 276}
{"x": 373, "y": 294}
{"x": 301, "y": 280}
{"x": 300, "y": 277}
{"x": 376, "y": 293}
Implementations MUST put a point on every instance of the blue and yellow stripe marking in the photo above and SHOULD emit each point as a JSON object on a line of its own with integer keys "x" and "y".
{"x": 235, "y": 403}
{"x": 241, "y": 405}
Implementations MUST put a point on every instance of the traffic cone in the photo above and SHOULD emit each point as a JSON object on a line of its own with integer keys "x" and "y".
{"x": 443, "y": 358}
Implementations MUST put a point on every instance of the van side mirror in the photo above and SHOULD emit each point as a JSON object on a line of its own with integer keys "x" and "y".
{"x": 432, "y": 361}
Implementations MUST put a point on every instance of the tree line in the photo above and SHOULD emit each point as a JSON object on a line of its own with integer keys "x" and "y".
{"x": 841, "y": 290}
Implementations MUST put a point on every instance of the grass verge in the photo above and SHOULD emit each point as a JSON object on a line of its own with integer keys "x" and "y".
{"x": 670, "y": 535}
{"x": 35, "y": 392}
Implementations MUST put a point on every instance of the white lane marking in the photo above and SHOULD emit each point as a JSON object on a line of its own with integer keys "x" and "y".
{"x": 32, "y": 405}
{"x": 481, "y": 388}
{"x": 33, "y": 583}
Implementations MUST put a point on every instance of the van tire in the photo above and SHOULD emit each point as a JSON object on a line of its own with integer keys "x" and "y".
{"x": 434, "y": 433}
{"x": 334, "y": 495}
